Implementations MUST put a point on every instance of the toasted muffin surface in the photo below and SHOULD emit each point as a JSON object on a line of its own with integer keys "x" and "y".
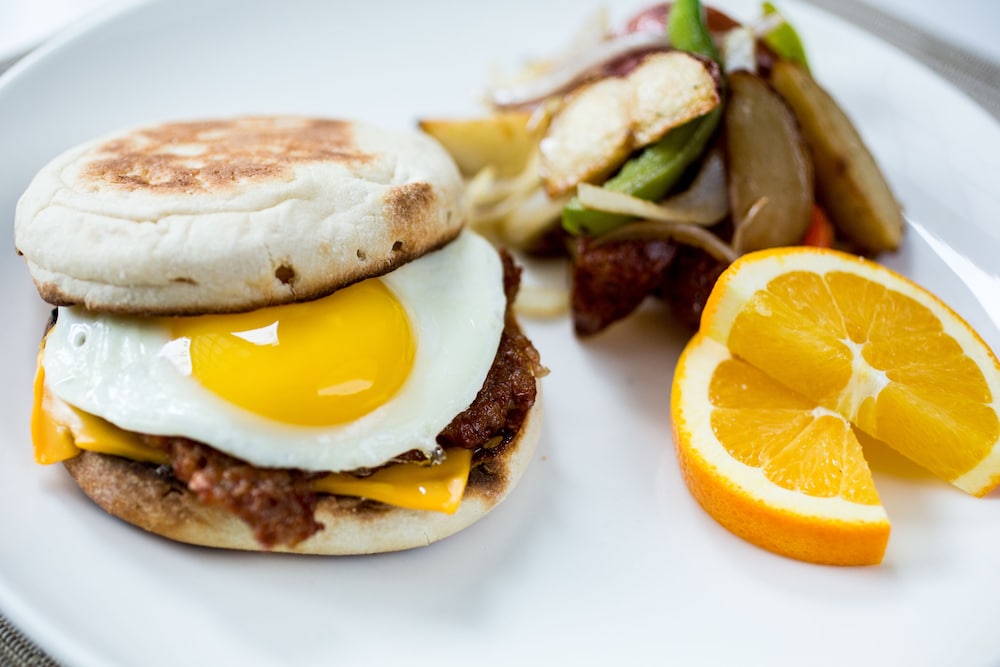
{"x": 232, "y": 215}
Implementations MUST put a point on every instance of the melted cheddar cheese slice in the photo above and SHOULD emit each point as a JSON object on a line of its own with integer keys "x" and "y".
{"x": 59, "y": 431}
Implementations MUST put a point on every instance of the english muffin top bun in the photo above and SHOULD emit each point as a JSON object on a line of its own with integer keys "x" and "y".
{"x": 273, "y": 333}
{"x": 231, "y": 215}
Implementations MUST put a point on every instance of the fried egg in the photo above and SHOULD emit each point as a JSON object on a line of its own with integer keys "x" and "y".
{"x": 348, "y": 381}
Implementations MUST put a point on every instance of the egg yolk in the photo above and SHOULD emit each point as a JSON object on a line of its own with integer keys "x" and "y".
{"x": 317, "y": 363}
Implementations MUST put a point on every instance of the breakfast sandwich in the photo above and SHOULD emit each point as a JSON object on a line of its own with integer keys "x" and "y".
{"x": 274, "y": 333}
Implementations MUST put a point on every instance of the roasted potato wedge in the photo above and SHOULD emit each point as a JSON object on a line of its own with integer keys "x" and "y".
{"x": 589, "y": 136}
{"x": 505, "y": 140}
{"x": 849, "y": 185}
{"x": 601, "y": 124}
{"x": 670, "y": 89}
{"x": 770, "y": 170}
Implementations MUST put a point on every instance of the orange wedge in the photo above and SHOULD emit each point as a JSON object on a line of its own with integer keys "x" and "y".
{"x": 769, "y": 465}
{"x": 799, "y": 347}
{"x": 869, "y": 344}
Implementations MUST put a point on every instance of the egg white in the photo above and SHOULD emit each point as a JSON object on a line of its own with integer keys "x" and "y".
{"x": 127, "y": 371}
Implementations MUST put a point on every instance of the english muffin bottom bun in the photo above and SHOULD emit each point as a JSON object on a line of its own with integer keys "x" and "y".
{"x": 273, "y": 333}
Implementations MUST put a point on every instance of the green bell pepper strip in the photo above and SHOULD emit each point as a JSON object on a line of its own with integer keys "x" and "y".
{"x": 651, "y": 174}
{"x": 687, "y": 29}
{"x": 784, "y": 40}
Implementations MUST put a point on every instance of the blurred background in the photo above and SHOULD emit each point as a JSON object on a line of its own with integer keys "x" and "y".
{"x": 956, "y": 38}
{"x": 972, "y": 24}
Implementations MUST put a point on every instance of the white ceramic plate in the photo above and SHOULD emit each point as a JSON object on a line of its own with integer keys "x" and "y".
{"x": 600, "y": 556}
{"x": 25, "y": 23}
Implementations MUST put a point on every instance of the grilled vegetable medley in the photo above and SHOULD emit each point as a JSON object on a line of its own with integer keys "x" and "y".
{"x": 654, "y": 155}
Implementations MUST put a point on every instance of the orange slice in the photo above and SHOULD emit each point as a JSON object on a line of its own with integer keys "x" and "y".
{"x": 864, "y": 342}
{"x": 801, "y": 352}
{"x": 769, "y": 465}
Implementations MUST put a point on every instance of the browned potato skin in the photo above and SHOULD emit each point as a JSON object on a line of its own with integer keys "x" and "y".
{"x": 589, "y": 137}
{"x": 849, "y": 184}
{"x": 769, "y": 162}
